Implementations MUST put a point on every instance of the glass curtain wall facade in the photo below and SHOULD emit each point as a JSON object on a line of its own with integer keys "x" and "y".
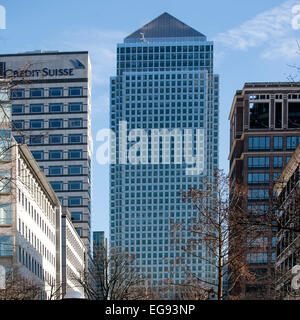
{"x": 163, "y": 81}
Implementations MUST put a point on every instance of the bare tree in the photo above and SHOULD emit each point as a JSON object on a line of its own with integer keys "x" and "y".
{"x": 19, "y": 287}
{"x": 7, "y": 126}
{"x": 294, "y": 77}
{"x": 54, "y": 291}
{"x": 285, "y": 212}
{"x": 191, "y": 289}
{"x": 281, "y": 219}
{"x": 116, "y": 278}
{"x": 8, "y": 85}
{"x": 221, "y": 229}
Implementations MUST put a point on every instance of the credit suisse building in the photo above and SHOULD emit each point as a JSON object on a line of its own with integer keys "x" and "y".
{"x": 51, "y": 112}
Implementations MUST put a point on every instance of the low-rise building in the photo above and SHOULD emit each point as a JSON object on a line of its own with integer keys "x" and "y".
{"x": 27, "y": 219}
{"x": 73, "y": 256}
{"x": 38, "y": 242}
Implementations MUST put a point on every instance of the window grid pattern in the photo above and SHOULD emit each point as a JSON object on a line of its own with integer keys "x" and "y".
{"x": 160, "y": 87}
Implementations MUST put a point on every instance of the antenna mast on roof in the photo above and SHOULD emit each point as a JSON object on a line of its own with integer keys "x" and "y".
{"x": 143, "y": 37}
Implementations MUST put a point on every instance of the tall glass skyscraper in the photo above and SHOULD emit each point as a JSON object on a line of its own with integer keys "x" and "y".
{"x": 164, "y": 102}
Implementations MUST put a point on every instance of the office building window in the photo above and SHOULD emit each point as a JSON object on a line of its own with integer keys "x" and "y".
{"x": 56, "y": 123}
{"x": 76, "y": 216}
{"x": 261, "y": 242}
{"x": 36, "y": 93}
{"x": 74, "y": 201}
{"x": 273, "y": 257}
{"x": 75, "y": 185}
{"x": 36, "y": 108}
{"x": 258, "y": 178}
{"x": 5, "y": 113}
{"x": 56, "y": 92}
{"x": 75, "y": 154}
{"x": 5, "y": 134}
{"x": 6, "y": 246}
{"x": 258, "y": 162}
{"x": 36, "y": 139}
{"x": 20, "y": 139}
{"x": 55, "y": 170}
{"x": 74, "y": 170}
{"x": 259, "y": 115}
{"x": 75, "y": 107}
{"x": 5, "y": 213}
{"x": 259, "y": 143}
{"x": 292, "y": 143}
{"x": 79, "y": 231}
{"x": 5, "y": 181}
{"x": 277, "y": 162}
{"x": 18, "y": 109}
{"x": 294, "y": 115}
{"x": 61, "y": 200}
{"x": 5, "y": 143}
{"x": 38, "y": 155}
{"x": 258, "y": 209}
{"x": 57, "y": 185}
{"x": 18, "y": 124}
{"x": 56, "y": 107}
{"x": 258, "y": 195}
{"x": 55, "y": 154}
{"x": 75, "y": 92}
{"x": 36, "y": 124}
{"x": 278, "y": 143}
{"x": 278, "y": 115}
{"x": 56, "y": 139}
{"x": 75, "y": 138}
{"x": 75, "y": 123}
{"x": 257, "y": 258}
{"x": 276, "y": 176}
{"x": 17, "y": 93}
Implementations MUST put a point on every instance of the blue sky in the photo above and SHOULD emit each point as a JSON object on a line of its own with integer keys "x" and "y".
{"x": 254, "y": 41}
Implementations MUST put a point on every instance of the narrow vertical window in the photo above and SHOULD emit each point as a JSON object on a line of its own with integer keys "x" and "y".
{"x": 278, "y": 115}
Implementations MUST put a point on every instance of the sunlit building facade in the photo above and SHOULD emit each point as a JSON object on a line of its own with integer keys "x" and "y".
{"x": 264, "y": 133}
{"x": 165, "y": 81}
{"x": 51, "y": 113}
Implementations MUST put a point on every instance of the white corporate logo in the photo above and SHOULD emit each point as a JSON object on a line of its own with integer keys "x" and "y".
{"x": 296, "y": 18}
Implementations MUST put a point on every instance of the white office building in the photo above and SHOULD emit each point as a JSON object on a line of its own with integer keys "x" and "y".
{"x": 51, "y": 114}
{"x": 27, "y": 225}
{"x": 73, "y": 256}
{"x": 38, "y": 242}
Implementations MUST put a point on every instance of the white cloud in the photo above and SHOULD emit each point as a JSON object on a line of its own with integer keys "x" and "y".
{"x": 287, "y": 48}
{"x": 271, "y": 29}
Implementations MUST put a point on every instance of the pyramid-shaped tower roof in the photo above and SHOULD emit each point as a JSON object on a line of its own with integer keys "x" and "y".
{"x": 165, "y": 26}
